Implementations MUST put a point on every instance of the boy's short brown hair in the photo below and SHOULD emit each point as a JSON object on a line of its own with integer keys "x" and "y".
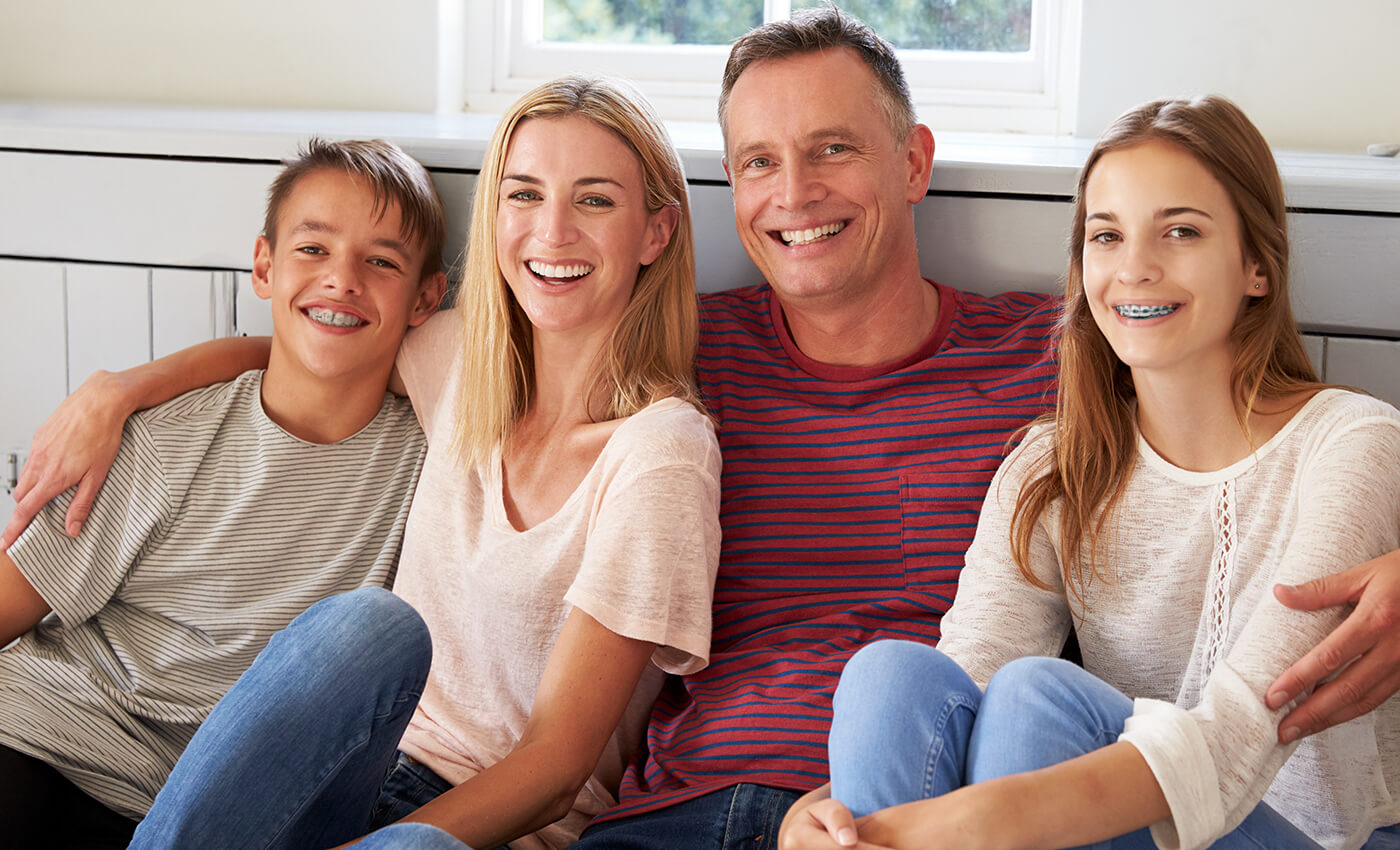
{"x": 394, "y": 176}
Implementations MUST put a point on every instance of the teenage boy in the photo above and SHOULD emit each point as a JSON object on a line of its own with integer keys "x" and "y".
{"x": 228, "y": 511}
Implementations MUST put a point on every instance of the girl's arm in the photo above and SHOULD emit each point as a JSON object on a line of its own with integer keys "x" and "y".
{"x": 588, "y": 681}
{"x": 77, "y": 443}
{"x": 1105, "y": 793}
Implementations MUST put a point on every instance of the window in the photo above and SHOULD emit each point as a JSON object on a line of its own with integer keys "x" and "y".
{"x": 988, "y": 65}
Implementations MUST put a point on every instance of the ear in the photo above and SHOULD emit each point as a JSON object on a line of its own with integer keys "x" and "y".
{"x": 659, "y": 231}
{"x": 724, "y": 161}
{"x": 1258, "y": 281}
{"x": 429, "y": 296}
{"x": 262, "y": 268}
{"x": 918, "y": 157}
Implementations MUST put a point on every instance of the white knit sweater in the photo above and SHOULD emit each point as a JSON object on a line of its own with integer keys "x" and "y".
{"x": 1186, "y": 622}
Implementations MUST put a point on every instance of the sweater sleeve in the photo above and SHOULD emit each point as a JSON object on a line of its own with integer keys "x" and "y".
{"x": 1215, "y": 762}
{"x": 649, "y": 564}
{"x": 998, "y": 615}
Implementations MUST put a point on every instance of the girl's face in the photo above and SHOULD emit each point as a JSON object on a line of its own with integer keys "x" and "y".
{"x": 572, "y": 226}
{"x": 1164, "y": 270}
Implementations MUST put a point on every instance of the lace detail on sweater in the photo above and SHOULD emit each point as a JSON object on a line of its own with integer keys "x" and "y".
{"x": 1222, "y": 564}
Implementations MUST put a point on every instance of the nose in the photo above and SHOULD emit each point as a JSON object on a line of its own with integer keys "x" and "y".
{"x": 343, "y": 274}
{"x": 1138, "y": 262}
{"x": 801, "y": 185}
{"x": 558, "y": 223}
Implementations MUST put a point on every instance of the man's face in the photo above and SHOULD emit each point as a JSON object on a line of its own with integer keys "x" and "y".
{"x": 822, "y": 189}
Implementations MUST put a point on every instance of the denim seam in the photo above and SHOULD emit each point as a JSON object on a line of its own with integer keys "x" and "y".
{"x": 351, "y": 749}
{"x": 937, "y": 740}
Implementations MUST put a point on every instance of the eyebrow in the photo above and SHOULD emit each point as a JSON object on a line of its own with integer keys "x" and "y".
{"x": 582, "y": 181}
{"x": 311, "y": 225}
{"x": 1167, "y": 212}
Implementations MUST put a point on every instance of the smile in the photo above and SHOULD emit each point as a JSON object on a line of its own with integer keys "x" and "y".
{"x": 811, "y": 234}
{"x": 1145, "y": 311}
{"x": 551, "y": 272}
{"x": 327, "y": 316}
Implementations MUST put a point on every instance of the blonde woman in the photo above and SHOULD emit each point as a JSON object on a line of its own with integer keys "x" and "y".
{"x": 562, "y": 540}
{"x": 1193, "y": 462}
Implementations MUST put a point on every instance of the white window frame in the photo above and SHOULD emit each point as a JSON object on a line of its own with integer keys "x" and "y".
{"x": 503, "y": 56}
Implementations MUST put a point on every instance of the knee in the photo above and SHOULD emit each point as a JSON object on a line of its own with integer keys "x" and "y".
{"x": 890, "y": 668}
{"x": 370, "y": 622}
{"x": 1029, "y": 683}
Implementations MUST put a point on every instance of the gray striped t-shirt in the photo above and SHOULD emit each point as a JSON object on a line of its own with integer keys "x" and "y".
{"x": 214, "y": 530}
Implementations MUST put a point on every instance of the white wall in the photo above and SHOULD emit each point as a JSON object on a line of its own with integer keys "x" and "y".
{"x": 321, "y": 54}
{"x": 1312, "y": 74}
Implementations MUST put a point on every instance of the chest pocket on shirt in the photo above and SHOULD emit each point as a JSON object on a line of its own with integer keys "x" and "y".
{"x": 938, "y": 518}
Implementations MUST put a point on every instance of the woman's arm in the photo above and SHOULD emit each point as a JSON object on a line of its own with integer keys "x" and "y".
{"x": 1365, "y": 647}
{"x": 588, "y": 681}
{"x": 77, "y": 443}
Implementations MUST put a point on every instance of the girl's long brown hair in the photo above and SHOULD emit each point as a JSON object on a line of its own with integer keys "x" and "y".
{"x": 1086, "y": 463}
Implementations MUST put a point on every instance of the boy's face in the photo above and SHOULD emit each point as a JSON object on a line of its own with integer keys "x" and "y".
{"x": 344, "y": 283}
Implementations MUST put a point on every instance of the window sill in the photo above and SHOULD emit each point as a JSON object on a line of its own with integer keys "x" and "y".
{"x": 965, "y": 163}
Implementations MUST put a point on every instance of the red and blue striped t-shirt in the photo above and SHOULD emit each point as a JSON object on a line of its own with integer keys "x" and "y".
{"x": 849, "y": 498}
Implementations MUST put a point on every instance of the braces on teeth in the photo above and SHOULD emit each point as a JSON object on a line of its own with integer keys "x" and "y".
{"x": 1139, "y": 311}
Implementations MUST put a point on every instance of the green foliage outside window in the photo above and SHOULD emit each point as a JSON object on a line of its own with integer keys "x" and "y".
{"x": 983, "y": 25}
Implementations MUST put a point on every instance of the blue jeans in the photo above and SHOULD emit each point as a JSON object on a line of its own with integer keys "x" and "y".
{"x": 741, "y": 817}
{"x": 910, "y": 724}
{"x": 297, "y": 753}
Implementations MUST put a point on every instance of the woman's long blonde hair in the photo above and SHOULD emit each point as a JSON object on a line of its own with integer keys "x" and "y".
{"x": 651, "y": 352}
{"x": 1086, "y": 465}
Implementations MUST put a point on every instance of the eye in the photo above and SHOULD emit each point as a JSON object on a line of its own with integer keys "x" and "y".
{"x": 758, "y": 162}
{"x": 1183, "y": 231}
{"x": 835, "y": 147}
{"x": 524, "y": 195}
{"x": 597, "y": 201}
{"x": 384, "y": 263}
{"x": 1104, "y": 237}
{"x": 311, "y": 249}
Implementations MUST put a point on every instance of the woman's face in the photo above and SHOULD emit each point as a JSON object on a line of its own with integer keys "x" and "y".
{"x": 572, "y": 226}
{"x": 1164, "y": 270}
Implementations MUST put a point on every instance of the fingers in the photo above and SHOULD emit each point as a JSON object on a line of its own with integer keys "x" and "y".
{"x": 836, "y": 819}
{"x": 1347, "y": 641}
{"x": 1361, "y": 688}
{"x": 1326, "y": 591}
{"x": 81, "y": 505}
{"x": 25, "y": 509}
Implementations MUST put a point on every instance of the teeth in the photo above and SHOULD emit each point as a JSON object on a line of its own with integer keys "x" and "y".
{"x": 327, "y": 316}
{"x": 811, "y": 234}
{"x": 549, "y": 270}
{"x": 1145, "y": 311}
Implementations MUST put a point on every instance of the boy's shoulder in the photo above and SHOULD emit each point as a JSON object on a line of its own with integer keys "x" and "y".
{"x": 209, "y": 404}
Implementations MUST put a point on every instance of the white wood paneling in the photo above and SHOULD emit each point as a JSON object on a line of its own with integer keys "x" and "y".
{"x": 720, "y": 260}
{"x": 189, "y": 307}
{"x": 991, "y": 245}
{"x": 109, "y": 319}
{"x": 1370, "y": 364}
{"x": 33, "y": 356}
{"x": 146, "y": 211}
{"x": 1317, "y": 352}
{"x": 1345, "y": 275}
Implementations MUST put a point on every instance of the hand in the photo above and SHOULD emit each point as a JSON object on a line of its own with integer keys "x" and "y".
{"x": 1367, "y": 644}
{"x": 817, "y": 822}
{"x": 75, "y": 445}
